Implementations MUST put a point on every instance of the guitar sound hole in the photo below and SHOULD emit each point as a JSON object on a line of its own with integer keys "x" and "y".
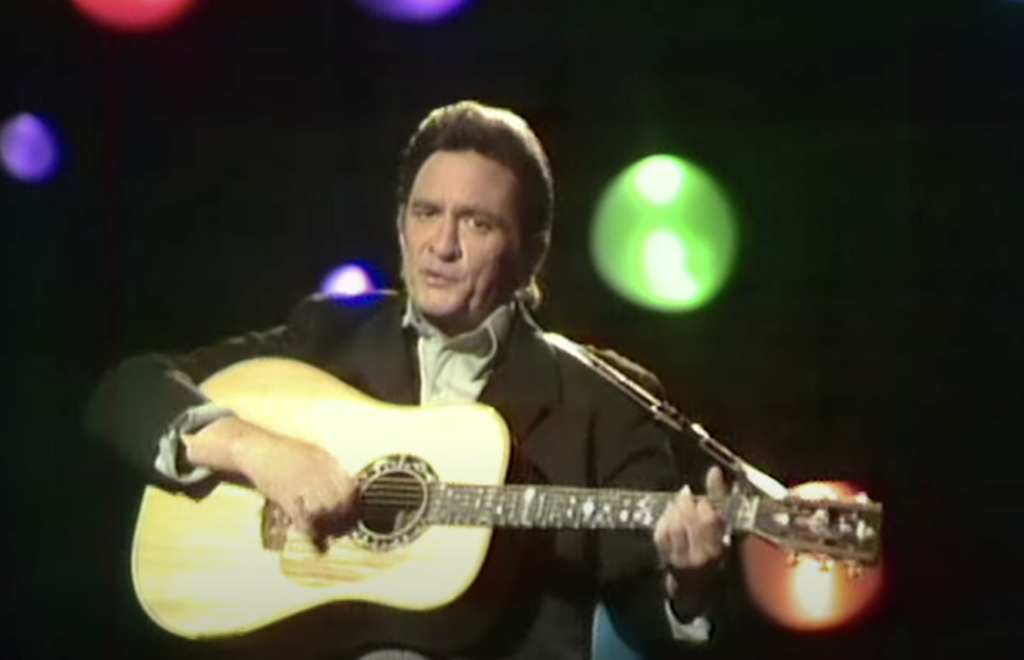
{"x": 391, "y": 503}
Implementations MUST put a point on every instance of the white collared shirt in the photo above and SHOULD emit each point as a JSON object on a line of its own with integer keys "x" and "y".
{"x": 455, "y": 369}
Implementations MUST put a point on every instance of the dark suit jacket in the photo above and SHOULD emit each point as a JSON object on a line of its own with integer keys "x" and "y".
{"x": 572, "y": 427}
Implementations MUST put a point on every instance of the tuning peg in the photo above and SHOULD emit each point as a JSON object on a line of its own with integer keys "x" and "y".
{"x": 826, "y": 565}
{"x": 792, "y": 559}
{"x": 854, "y": 570}
{"x": 862, "y": 498}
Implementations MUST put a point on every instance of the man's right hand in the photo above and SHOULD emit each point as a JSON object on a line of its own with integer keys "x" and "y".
{"x": 306, "y": 481}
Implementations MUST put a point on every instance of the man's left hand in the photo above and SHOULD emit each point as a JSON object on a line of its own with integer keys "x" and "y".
{"x": 691, "y": 533}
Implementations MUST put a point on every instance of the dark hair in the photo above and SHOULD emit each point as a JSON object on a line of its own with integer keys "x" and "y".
{"x": 504, "y": 136}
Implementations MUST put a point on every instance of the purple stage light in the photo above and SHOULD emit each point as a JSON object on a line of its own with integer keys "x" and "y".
{"x": 417, "y": 11}
{"x": 348, "y": 281}
{"x": 28, "y": 148}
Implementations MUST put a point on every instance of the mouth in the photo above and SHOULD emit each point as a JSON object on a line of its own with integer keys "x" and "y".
{"x": 436, "y": 278}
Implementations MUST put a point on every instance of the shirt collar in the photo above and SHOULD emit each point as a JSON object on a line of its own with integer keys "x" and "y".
{"x": 482, "y": 341}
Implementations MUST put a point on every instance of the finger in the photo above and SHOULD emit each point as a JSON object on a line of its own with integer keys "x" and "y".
{"x": 709, "y": 547}
{"x": 706, "y": 513}
{"x": 707, "y": 552}
{"x": 715, "y": 482}
{"x": 303, "y": 513}
{"x": 700, "y": 543}
{"x": 678, "y": 547}
{"x": 679, "y": 506}
{"x": 684, "y": 499}
{"x": 342, "y": 486}
{"x": 303, "y": 524}
{"x": 678, "y": 537}
{"x": 661, "y": 540}
{"x": 667, "y": 535}
{"x": 710, "y": 531}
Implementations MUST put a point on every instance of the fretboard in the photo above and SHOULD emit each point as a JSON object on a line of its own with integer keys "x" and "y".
{"x": 544, "y": 507}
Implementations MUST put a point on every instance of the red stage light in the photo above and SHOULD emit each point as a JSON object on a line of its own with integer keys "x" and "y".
{"x": 801, "y": 595}
{"x": 134, "y": 15}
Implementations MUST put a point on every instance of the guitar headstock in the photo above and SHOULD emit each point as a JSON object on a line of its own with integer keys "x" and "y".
{"x": 828, "y": 529}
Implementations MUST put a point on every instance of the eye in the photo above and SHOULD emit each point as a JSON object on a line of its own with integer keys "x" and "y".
{"x": 481, "y": 223}
{"x": 424, "y": 211}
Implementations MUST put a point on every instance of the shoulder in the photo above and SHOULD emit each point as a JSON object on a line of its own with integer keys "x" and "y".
{"x": 644, "y": 376}
{"x": 331, "y": 306}
{"x": 628, "y": 367}
{"x": 323, "y": 315}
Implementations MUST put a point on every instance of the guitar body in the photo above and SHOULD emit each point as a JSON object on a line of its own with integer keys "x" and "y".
{"x": 204, "y": 568}
{"x": 423, "y": 567}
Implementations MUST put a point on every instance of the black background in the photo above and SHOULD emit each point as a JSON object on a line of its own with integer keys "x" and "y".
{"x": 215, "y": 172}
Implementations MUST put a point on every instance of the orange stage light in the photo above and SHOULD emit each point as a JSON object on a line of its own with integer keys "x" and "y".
{"x": 804, "y": 593}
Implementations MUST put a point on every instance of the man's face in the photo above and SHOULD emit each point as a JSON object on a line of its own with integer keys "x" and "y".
{"x": 460, "y": 238}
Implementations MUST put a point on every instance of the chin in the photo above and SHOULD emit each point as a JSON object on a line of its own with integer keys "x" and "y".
{"x": 440, "y": 308}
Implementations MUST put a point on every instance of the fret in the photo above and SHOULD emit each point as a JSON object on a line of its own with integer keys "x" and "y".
{"x": 514, "y": 505}
{"x": 529, "y": 496}
{"x": 507, "y": 507}
{"x": 489, "y": 506}
{"x": 499, "y": 506}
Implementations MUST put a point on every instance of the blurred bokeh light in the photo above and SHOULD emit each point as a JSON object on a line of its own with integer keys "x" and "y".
{"x": 663, "y": 235}
{"x": 802, "y": 596}
{"x": 29, "y": 148}
{"x": 134, "y": 15}
{"x": 350, "y": 280}
{"x": 417, "y": 11}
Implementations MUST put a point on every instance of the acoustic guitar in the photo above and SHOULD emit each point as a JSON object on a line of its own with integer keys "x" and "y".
{"x": 229, "y": 563}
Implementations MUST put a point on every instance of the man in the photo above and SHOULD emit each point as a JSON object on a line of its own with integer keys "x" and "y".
{"x": 474, "y": 220}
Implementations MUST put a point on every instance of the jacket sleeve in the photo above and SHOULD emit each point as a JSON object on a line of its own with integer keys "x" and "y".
{"x": 633, "y": 451}
{"x": 137, "y": 403}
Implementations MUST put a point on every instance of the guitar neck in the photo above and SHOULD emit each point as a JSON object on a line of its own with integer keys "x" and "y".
{"x": 549, "y": 507}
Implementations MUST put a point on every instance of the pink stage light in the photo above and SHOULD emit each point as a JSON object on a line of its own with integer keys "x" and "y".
{"x": 134, "y": 15}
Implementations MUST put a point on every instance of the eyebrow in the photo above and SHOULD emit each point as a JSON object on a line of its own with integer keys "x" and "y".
{"x": 464, "y": 209}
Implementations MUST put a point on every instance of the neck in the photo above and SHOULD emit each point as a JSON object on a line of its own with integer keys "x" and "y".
{"x": 558, "y": 507}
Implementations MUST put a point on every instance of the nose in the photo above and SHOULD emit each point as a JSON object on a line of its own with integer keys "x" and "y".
{"x": 445, "y": 242}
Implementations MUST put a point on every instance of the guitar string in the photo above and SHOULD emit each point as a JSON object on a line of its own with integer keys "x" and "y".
{"x": 416, "y": 493}
{"x": 402, "y": 483}
{"x": 399, "y": 493}
{"x": 519, "y": 491}
{"x": 415, "y": 498}
{"x": 404, "y": 492}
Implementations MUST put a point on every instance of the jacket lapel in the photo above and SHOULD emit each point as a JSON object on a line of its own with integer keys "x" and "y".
{"x": 381, "y": 356}
{"x": 525, "y": 386}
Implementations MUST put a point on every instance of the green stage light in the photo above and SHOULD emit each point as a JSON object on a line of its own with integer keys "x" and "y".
{"x": 663, "y": 235}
